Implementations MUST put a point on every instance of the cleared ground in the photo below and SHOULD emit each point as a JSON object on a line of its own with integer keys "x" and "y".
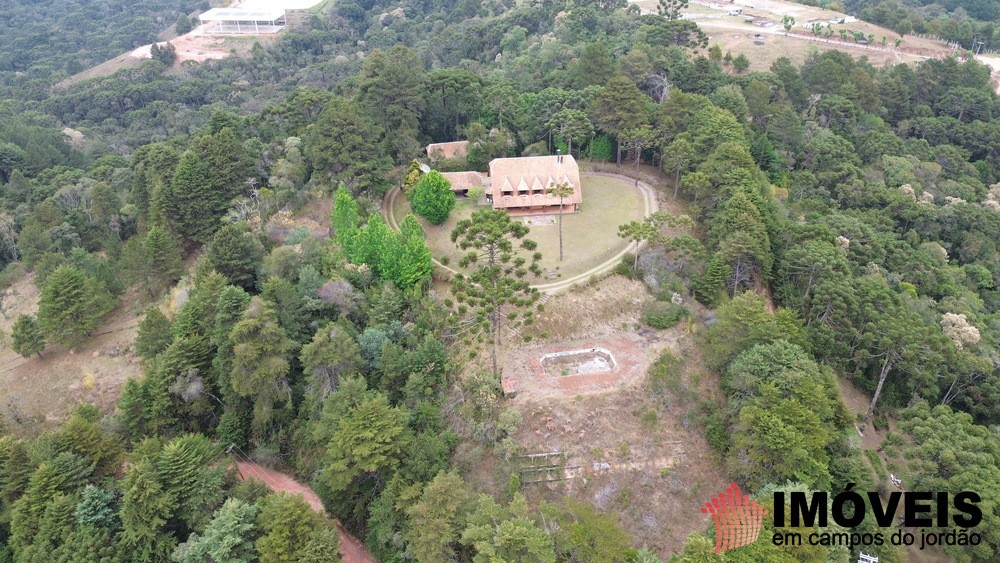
{"x": 759, "y": 34}
{"x": 38, "y": 392}
{"x": 194, "y": 47}
{"x": 631, "y": 451}
{"x": 590, "y": 237}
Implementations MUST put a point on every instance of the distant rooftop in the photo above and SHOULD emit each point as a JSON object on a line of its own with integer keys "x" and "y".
{"x": 455, "y": 149}
{"x": 242, "y": 14}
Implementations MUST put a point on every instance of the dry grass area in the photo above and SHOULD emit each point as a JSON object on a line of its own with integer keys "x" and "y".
{"x": 107, "y": 68}
{"x": 37, "y": 393}
{"x": 609, "y": 305}
{"x": 739, "y": 40}
{"x": 636, "y": 458}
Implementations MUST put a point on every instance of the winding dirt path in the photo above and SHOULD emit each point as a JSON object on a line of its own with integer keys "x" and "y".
{"x": 649, "y": 201}
{"x": 351, "y": 548}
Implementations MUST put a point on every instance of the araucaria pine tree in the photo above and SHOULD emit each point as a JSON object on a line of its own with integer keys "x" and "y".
{"x": 494, "y": 291}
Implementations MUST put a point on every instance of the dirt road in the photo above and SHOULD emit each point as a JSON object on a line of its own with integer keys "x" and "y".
{"x": 351, "y": 548}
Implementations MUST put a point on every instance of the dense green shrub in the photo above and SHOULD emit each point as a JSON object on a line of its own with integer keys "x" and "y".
{"x": 662, "y": 314}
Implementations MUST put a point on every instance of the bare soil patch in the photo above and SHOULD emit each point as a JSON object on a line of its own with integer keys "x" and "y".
{"x": 193, "y": 46}
{"x": 618, "y": 444}
{"x": 525, "y": 374}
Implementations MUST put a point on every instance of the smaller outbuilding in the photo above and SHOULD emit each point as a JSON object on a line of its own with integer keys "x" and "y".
{"x": 462, "y": 182}
{"x": 442, "y": 151}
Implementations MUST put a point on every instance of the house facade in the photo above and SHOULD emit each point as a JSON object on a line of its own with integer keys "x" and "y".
{"x": 520, "y": 186}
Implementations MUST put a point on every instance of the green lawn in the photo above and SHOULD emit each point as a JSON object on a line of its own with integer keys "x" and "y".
{"x": 590, "y": 237}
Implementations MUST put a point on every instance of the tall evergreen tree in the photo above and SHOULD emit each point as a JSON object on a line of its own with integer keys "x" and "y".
{"x": 132, "y": 409}
{"x": 229, "y": 537}
{"x": 322, "y": 547}
{"x": 227, "y": 159}
{"x": 194, "y": 206}
{"x": 438, "y": 517}
{"x": 345, "y": 145}
{"x": 287, "y": 524}
{"x": 185, "y": 469}
{"x": 98, "y": 507}
{"x": 71, "y": 306}
{"x": 331, "y": 355}
{"x": 236, "y": 253}
{"x": 595, "y": 67}
{"x": 391, "y": 89}
{"x": 162, "y": 259}
{"x": 260, "y": 364}
{"x": 15, "y": 470}
{"x": 232, "y": 303}
{"x": 26, "y": 517}
{"x": 154, "y": 334}
{"x": 146, "y": 508}
{"x": 56, "y": 527}
{"x": 289, "y": 306}
{"x": 619, "y": 107}
{"x": 27, "y": 337}
{"x": 363, "y": 450}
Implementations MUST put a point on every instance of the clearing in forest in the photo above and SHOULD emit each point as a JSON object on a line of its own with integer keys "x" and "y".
{"x": 590, "y": 237}
{"x": 630, "y": 449}
{"x": 42, "y": 391}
